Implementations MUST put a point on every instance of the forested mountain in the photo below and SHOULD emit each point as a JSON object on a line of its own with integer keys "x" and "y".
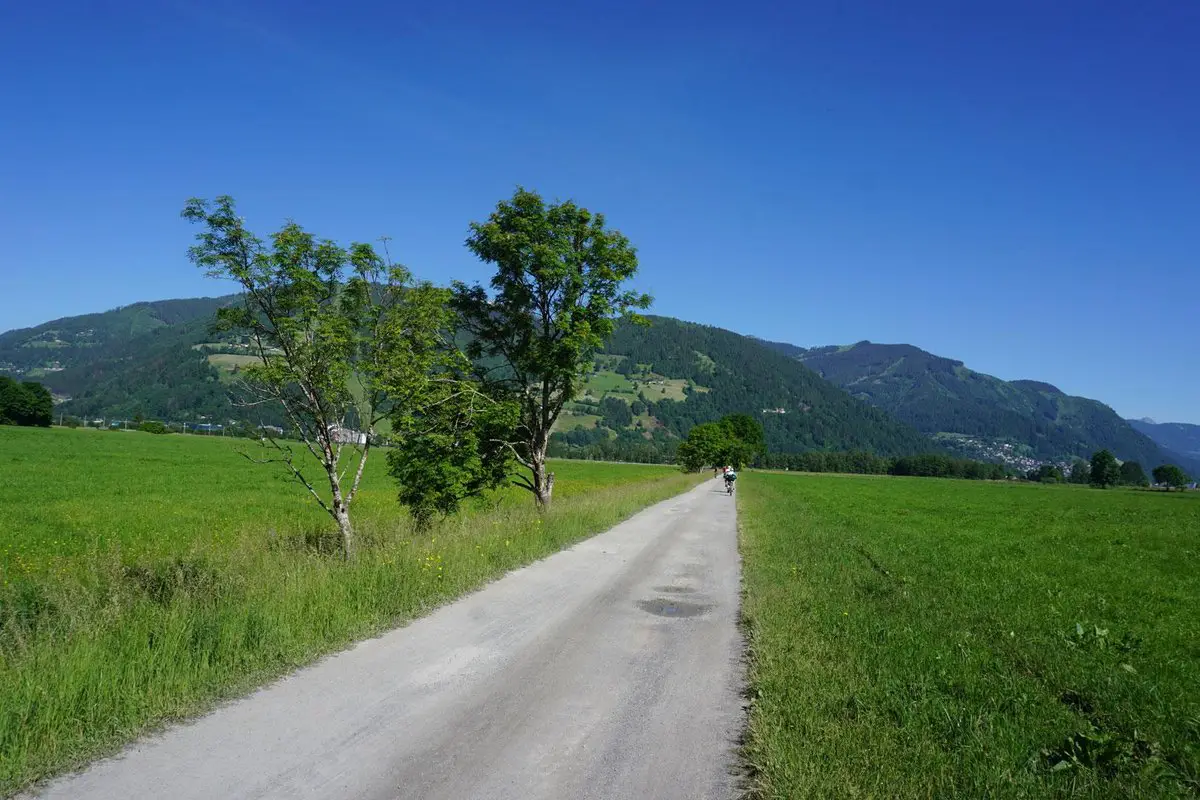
{"x": 941, "y": 395}
{"x": 653, "y": 383}
{"x": 139, "y": 359}
{"x": 63, "y": 343}
{"x": 1175, "y": 437}
{"x": 676, "y": 374}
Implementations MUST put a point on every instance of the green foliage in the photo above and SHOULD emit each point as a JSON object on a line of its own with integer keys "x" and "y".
{"x": 748, "y": 431}
{"x": 1170, "y": 475}
{"x": 927, "y": 465}
{"x": 72, "y": 342}
{"x": 1104, "y": 470}
{"x": 25, "y": 403}
{"x": 1081, "y": 472}
{"x": 707, "y": 445}
{"x": 735, "y": 440}
{"x": 454, "y": 450}
{"x": 937, "y": 465}
{"x": 949, "y": 639}
{"x": 616, "y": 413}
{"x": 343, "y": 340}
{"x": 556, "y": 294}
{"x": 1046, "y": 473}
{"x": 312, "y": 330}
{"x": 153, "y": 426}
{"x": 1132, "y": 474}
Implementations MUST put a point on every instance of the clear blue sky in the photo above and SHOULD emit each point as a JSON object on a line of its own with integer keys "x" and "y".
{"x": 1013, "y": 184}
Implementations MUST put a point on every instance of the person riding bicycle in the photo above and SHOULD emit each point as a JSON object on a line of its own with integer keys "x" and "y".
{"x": 730, "y": 477}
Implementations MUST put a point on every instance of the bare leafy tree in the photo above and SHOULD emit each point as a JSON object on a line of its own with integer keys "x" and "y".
{"x": 557, "y": 291}
{"x": 341, "y": 337}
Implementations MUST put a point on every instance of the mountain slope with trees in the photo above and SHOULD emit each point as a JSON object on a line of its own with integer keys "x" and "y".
{"x": 1175, "y": 437}
{"x": 718, "y": 373}
{"x": 60, "y": 344}
{"x": 161, "y": 360}
{"x": 941, "y": 395}
{"x": 147, "y": 360}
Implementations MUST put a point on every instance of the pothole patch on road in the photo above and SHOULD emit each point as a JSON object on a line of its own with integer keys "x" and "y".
{"x": 674, "y": 589}
{"x": 670, "y": 607}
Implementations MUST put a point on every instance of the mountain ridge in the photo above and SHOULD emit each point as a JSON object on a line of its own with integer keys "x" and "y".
{"x": 159, "y": 358}
{"x": 941, "y": 396}
{"x": 1174, "y": 437}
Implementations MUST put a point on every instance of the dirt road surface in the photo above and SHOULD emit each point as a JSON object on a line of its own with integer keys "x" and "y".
{"x": 609, "y": 670}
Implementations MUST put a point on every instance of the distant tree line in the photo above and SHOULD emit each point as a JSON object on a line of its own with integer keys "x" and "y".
{"x": 25, "y": 403}
{"x": 858, "y": 462}
{"x": 1103, "y": 471}
{"x": 599, "y": 444}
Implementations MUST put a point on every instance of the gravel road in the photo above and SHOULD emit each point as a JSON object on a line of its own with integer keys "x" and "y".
{"x": 609, "y": 670}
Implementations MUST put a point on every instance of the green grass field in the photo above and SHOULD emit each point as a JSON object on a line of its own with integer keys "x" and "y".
{"x": 225, "y": 363}
{"x": 935, "y": 638}
{"x": 144, "y": 577}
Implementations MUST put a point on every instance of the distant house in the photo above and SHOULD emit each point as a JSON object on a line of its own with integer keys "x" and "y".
{"x": 774, "y": 411}
{"x": 346, "y": 435}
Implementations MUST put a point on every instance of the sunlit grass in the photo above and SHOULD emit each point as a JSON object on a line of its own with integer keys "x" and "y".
{"x": 144, "y": 577}
{"x": 930, "y": 638}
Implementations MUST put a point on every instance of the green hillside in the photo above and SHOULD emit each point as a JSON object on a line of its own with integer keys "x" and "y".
{"x": 55, "y": 346}
{"x": 941, "y": 395}
{"x": 142, "y": 359}
{"x": 1177, "y": 437}
{"x": 160, "y": 360}
{"x": 672, "y": 375}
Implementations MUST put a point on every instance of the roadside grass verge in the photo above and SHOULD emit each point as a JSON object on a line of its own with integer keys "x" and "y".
{"x": 155, "y": 576}
{"x": 937, "y": 638}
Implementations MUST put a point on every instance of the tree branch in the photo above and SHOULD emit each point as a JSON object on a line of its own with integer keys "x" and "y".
{"x": 287, "y": 459}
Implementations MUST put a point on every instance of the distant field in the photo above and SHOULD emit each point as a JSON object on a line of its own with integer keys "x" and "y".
{"x": 935, "y": 638}
{"x": 570, "y": 420}
{"x": 604, "y": 382}
{"x": 146, "y": 576}
{"x": 225, "y": 363}
{"x": 655, "y": 387}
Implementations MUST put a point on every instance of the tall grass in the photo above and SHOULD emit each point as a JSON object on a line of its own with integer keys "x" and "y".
{"x": 925, "y": 638}
{"x": 157, "y": 575}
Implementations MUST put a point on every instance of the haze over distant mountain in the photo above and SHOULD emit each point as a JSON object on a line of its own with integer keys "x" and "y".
{"x": 1176, "y": 437}
{"x": 975, "y": 413}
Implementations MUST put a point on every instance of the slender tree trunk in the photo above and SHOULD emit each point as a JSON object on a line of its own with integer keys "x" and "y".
{"x": 543, "y": 482}
{"x": 341, "y": 514}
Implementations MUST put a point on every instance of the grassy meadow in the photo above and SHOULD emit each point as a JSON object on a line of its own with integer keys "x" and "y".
{"x": 143, "y": 577}
{"x": 937, "y": 638}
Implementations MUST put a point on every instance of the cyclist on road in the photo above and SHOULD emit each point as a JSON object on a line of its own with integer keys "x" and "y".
{"x": 730, "y": 477}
